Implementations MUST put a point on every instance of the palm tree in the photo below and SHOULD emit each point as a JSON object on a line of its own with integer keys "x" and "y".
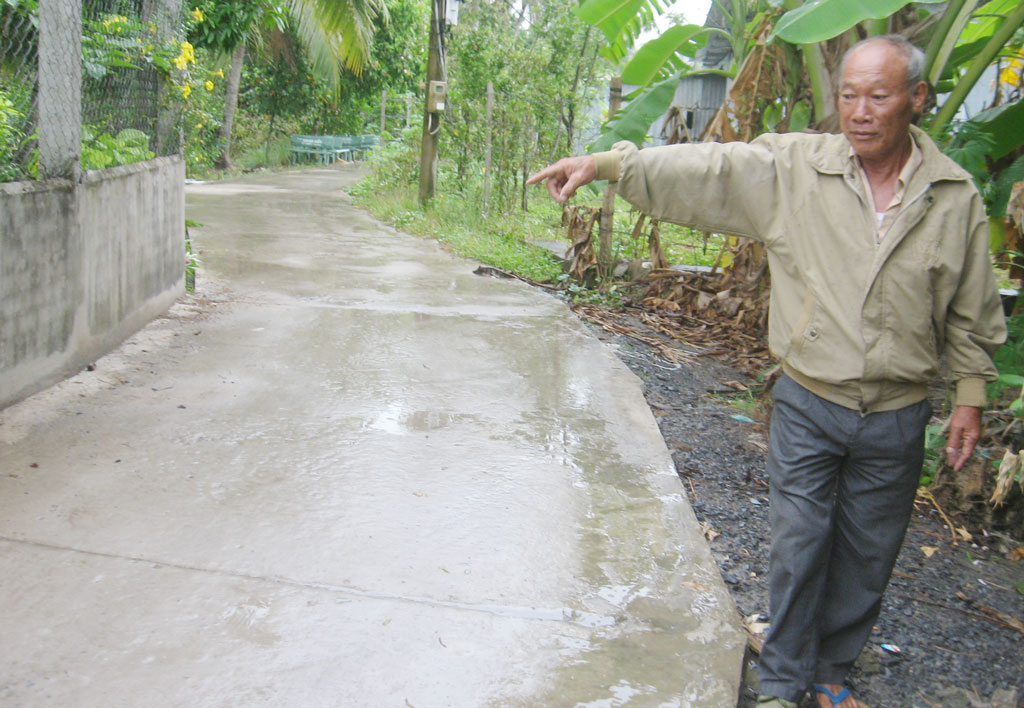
{"x": 333, "y": 34}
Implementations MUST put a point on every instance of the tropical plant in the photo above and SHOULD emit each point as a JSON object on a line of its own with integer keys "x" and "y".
{"x": 106, "y": 150}
{"x": 332, "y": 34}
{"x": 961, "y": 40}
{"x": 542, "y": 77}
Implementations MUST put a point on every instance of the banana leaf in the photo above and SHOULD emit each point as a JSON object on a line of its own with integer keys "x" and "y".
{"x": 824, "y": 19}
{"x": 634, "y": 120}
{"x": 1003, "y": 123}
{"x": 663, "y": 55}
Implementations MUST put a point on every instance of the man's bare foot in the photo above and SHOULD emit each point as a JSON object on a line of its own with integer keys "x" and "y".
{"x": 830, "y": 701}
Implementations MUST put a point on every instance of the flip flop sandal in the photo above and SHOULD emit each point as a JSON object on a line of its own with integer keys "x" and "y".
{"x": 836, "y": 698}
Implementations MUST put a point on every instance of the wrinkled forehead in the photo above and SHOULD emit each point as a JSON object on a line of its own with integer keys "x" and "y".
{"x": 875, "y": 65}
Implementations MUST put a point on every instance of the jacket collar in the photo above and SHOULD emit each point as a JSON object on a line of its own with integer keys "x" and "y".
{"x": 833, "y": 157}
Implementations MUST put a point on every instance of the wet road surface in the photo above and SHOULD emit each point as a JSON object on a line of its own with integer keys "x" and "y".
{"x": 359, "y": 475}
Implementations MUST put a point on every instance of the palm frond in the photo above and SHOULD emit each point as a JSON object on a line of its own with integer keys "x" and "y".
{"x": 338, "y": 32}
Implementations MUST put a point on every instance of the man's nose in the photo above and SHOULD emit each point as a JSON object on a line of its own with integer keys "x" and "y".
{"x": 861, "y": 109}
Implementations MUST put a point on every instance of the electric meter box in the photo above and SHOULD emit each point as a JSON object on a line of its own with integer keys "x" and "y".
{"x": 451, "y": 12}
{"x": 437, "y": 95}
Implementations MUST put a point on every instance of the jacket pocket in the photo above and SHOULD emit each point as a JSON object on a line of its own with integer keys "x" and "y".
{"x": 803, "y": 329}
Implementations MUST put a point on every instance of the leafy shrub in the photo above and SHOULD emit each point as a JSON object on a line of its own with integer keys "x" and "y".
{"x": 106, "y": 150}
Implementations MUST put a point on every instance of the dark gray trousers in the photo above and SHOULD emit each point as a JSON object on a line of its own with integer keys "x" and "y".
{"x": 842, "y": 488}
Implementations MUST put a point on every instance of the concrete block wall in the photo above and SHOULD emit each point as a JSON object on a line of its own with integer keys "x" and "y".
{"x": 83, "y": 266}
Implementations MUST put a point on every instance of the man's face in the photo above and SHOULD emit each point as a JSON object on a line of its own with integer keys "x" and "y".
{"x": 875, "y": 104}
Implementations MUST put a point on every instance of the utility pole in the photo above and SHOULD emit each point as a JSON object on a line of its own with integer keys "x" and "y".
{"x": 431, "y": 114}
{"x": 608, "y": 207}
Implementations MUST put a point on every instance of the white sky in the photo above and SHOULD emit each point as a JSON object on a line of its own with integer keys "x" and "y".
{"x": 695, "y": 10}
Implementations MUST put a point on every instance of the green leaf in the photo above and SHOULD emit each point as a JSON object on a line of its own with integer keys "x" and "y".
{"x": 986, "y": 20}
{"x": 824, "y": 19}
{"x": 1001, "y": 192}
{"x": 1003, "y": 123}
{"x": 1012, "y": 379}
{"x": 131, "y": 137}
{"x": 771, "y": 116}
{"x": 961, "y": 56}
{"x": 612, "y": 16}
{"x": 634, "y": 120}
{"x": 800, "y": 118}
{"x": 95, "y": 70}
{"x": 655, "y": 56}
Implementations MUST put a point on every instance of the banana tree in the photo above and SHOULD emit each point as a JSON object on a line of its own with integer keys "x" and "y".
{"x": 963, "y": 40}
{"x": 655, "y": 68}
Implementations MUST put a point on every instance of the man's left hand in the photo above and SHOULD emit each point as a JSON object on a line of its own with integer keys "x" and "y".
{"x": 964, "y": 433}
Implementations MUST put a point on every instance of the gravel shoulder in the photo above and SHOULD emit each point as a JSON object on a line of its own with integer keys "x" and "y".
{"x": 952, "y": 651}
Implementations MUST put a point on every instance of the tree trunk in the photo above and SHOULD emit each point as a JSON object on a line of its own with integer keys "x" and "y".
{"x": 230, "y": 104}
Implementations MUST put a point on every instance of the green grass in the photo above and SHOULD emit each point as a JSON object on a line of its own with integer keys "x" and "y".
{"x": 496, "y": 240}
{"x": 456, "y": 217}
{"x": 501, "y": 240}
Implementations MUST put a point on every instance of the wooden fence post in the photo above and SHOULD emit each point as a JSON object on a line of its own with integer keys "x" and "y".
{"x": 608, "y": 207}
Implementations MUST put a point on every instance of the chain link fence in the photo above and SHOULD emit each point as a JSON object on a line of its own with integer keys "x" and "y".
{"x": 19, "y": 45}
{"x": 126, "y": 107}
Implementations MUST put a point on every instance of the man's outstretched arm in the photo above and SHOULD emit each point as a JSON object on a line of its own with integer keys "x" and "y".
{"x": 566, "y": 176}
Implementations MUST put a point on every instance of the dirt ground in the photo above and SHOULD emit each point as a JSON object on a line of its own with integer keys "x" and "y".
{"x": 947, "y": 618}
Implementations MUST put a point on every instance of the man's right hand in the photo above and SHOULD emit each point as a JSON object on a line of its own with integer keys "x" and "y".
{"x": 566, "y": 176}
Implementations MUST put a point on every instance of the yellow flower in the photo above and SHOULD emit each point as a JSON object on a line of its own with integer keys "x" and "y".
{"x": 208, "y": 85}
{"x": 219, "y": 73}
{"x": 197, "y": 15}
{"x": 1011, "y": 73}
{"x": 186, "y": 57}
{"x": 186, "y": 90}
{"x": 199, "y": 126}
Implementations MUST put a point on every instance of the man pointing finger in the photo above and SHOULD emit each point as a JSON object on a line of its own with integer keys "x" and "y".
{"x": 878, "y": 249}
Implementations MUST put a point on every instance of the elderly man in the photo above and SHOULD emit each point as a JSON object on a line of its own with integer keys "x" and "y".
{"x": 878, "y": 249}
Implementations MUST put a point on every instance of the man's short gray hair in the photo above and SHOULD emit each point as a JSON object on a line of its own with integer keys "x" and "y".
{"x": 913, "y": 55}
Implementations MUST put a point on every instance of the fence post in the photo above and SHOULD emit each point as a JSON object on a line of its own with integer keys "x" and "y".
{"x": 487, "y": 144}
{"x": 60, "y": 88}
{"x": 383, "y": 110}
{"x": 608, "y": 207}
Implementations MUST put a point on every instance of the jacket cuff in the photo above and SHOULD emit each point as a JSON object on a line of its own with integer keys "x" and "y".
{"x": 971, "y": 392}
{"x": 608, "y": 165}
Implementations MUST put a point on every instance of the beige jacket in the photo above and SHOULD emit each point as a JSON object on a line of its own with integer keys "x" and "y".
{"x": 860, "y": 323}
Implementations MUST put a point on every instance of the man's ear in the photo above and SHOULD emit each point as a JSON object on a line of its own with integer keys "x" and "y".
{"x": 918, "y": 96}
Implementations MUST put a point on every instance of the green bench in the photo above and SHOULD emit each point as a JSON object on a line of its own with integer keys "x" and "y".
{"x": 327, "y": 149}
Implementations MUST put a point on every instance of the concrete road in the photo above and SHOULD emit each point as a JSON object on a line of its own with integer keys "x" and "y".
{"x": 350, "y": 472}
